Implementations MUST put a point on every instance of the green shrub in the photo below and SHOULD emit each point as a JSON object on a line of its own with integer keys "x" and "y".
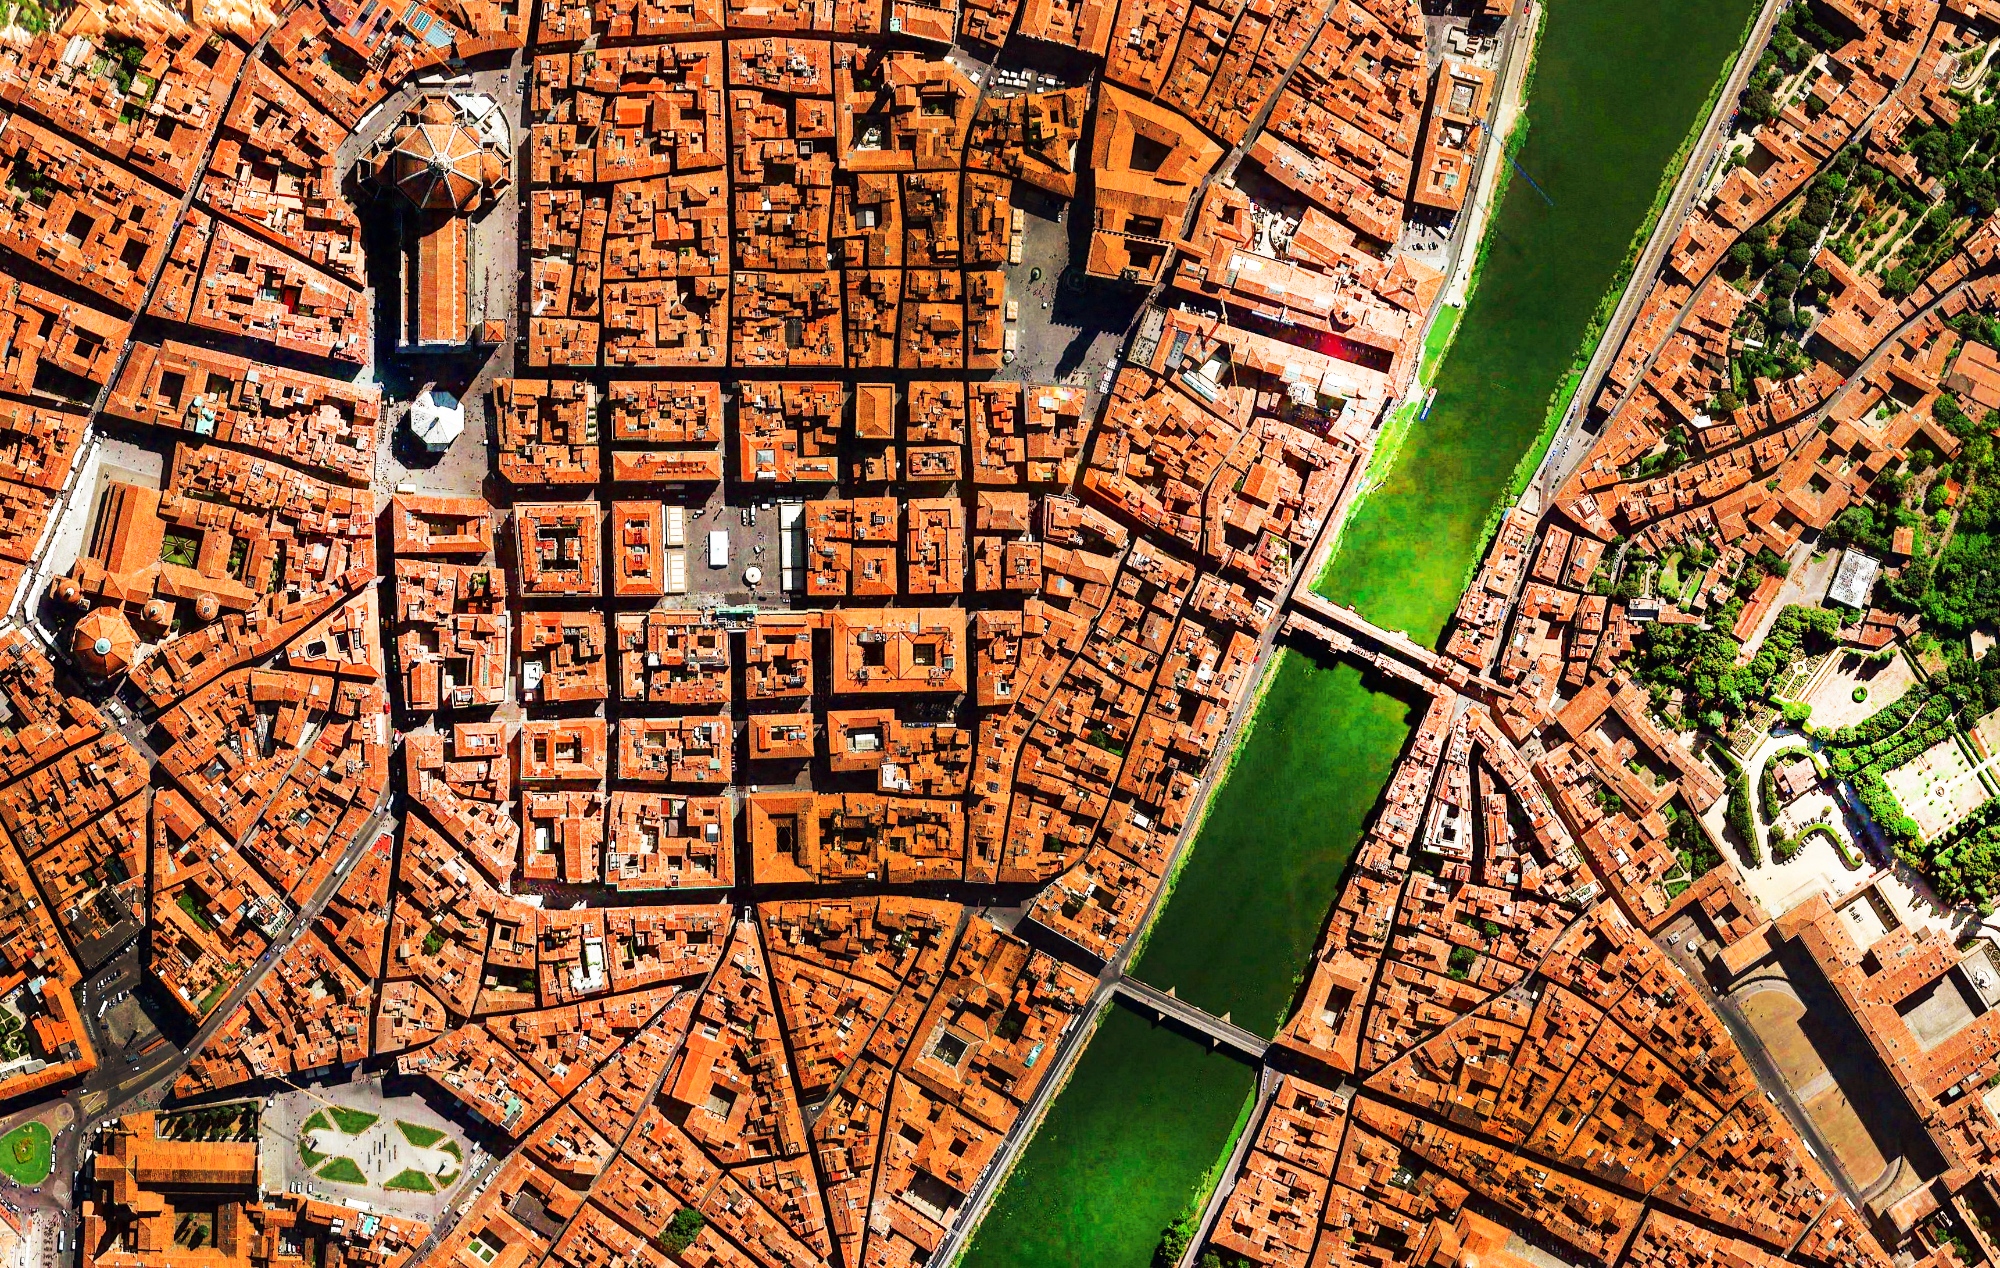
{"x": 1860, "y": 694}
{"x": 1740, "y": 817}
{"x": 1783, "y": 847}
{"x": 1846, "y": 852}
{"x": 681, "y": 1231}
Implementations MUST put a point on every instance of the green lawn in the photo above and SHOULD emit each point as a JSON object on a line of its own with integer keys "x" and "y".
{"x": 421, "y": 1137}
{"x": 410, "y": 1180}
{"x": 342, "y": 1171}
{"x": 352, "y": 1121}
{"x": 214, "y": 996}
{"x": 185, "y": 901}
{"x": 179, "y": 548}
{"x": 1670, "y": 577}
{"x": 1437, "y": 339}
{"x": 24, "y": 1153}
{"x": 451, "y": 1147}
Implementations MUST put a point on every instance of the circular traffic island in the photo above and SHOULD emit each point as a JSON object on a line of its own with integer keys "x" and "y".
{"x": 25, "y": 1153}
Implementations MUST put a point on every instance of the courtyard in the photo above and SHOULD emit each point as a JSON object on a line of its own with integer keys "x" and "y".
{"x": 1831, "y": 694}
{"x": 1831, "y": 1073}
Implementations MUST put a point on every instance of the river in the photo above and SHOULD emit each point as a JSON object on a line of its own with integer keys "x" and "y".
{"x": 1617, "y": 87}
{"x": 1147, "y": 1113}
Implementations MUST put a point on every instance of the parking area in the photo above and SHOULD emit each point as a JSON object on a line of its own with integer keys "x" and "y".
{"x": 1817, "y": 868}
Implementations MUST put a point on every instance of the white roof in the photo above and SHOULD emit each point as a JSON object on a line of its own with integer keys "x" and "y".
{"x": 1853, "y": 580}
{"x": 488, "y": 119}
{"x": 436, "y": 418}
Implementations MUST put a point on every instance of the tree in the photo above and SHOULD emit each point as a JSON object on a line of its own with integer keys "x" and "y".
{"x": 1743, "y": 255}
{"x": 1932, "y": 226}
{"x": 680, "y": 1231}
{"x": 1932, "y": 151}
{"x": 1954, "y": 420}
{"x": 1964, "y": 587}
{"x": 1174, "y": 1239}
{"x": 1770, "y": 562}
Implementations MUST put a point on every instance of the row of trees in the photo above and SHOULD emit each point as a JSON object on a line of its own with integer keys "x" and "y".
{"x": 1966, "y": 861}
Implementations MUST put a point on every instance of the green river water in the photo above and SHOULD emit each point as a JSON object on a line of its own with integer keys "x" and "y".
{"x": 1148, "y": 1113}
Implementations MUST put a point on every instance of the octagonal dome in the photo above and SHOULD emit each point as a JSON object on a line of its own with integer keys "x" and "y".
{"x": 438, "y": 161}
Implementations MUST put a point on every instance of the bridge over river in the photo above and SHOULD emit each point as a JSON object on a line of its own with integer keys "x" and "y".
{"x": 1220, "y": 1031}
{"x": 1343, "y": 630}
